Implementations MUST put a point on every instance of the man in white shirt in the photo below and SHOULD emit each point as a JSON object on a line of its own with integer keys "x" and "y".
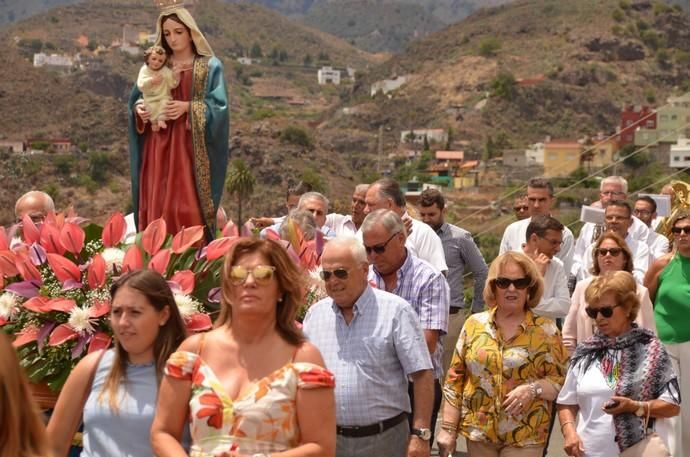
{"x": 422, "y": 241}
{"x": 611, "y": 188}
{"x": 543, "y": 241}
{"x": 540, "y": 200}
{"x": 645, "y": 210}
{"x": 618, "y": 218}
{"x": 348, "y": 224}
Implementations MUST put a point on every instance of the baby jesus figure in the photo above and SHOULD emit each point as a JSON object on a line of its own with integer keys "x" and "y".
{"x": 155, "y": 81}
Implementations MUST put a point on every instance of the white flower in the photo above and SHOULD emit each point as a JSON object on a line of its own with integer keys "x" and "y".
{"x": 113, "y": 257}
{"x": 549, "y": 327}
{"x": 8, "y": 303}
{"x": 187, "y": 305}
{"x": 80, "y": 320}
{"x": 515, "y": 357}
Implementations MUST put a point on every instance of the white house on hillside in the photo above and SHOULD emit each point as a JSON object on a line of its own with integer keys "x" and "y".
{"x": 387, "y": 85}
{"x": 328, "y": 75}
{"x": 61, "y": 62}
{"x": 680, "y": 154}
{"x": 534, "y": 154}
{"x": 417, "y": 136}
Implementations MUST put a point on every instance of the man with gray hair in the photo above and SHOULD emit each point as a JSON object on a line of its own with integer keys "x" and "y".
{"x": 372, "y": 341}
{"x": 348, "y": 224}
{"x": 394, "y": 269}
{"x": 317, "y": 205}
{"x": 422, "y": 241}
{"x": 35, "y": 204}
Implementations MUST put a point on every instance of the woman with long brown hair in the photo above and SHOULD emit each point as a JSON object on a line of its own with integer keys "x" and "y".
{"x": 22, "y": 433}
{"x": 253, "y": 384}
{"x": 115, "y": 390}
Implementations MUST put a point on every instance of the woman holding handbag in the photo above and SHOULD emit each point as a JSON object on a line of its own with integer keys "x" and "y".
{"x": 618, "y": 380}
{"x": 115, "y": 390}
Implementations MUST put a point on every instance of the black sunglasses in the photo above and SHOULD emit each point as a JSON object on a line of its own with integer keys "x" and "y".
{"x": 606, "y": 311}
{"x": 615, "y": 252}
{"x": 519, "y": 283}
{"x": 520, "y": 208}
{"x": 340, "y": 273}
{"x": 685, "y": 230}
{"x": 380, "y": 248}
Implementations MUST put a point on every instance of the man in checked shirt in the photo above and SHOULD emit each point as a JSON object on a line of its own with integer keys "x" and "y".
{"x": 372, "y": 341}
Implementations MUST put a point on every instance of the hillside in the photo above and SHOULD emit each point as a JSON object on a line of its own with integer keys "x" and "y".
{"x": 581, "y": 61}
{"x": 88, "y": 106}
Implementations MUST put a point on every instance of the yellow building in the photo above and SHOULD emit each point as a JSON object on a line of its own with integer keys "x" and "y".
{"x": 599, "y": 153}
{"x": 561, "y": 157}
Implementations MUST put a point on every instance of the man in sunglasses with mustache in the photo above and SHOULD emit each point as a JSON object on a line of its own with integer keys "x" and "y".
{"x": 394, "y": 269}
{"x": 372, "y": 341}
{"x": 645, "y": 210}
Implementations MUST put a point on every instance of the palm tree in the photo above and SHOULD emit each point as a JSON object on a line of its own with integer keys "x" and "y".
{"x": 240, "y": 182}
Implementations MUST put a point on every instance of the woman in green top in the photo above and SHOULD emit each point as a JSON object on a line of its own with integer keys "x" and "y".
{"x": 668, "y": 281}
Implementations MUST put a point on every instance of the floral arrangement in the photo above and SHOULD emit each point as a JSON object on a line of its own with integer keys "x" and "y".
{"x": 55, "y": 280}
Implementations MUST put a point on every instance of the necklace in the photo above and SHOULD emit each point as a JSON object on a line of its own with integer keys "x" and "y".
{"x": 610, "y": 367}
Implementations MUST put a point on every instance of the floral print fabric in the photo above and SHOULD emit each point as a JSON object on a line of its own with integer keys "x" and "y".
{"x": 262, "y": 419}
{"x": 486, "y": 367}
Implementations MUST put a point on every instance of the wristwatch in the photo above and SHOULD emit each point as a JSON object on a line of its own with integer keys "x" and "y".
{"x": 423, "y": 433}
{"x": 640, "y": 409}
{"x": 537, "y": 389}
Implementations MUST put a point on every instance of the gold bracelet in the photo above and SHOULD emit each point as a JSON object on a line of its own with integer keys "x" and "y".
{"x": 449, "y": 426}
{"x": 566, "y": 423}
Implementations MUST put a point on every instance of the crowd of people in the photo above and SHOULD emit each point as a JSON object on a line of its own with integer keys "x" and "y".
{"x": 586, "y": 332}
{"x": 396, "y": 356}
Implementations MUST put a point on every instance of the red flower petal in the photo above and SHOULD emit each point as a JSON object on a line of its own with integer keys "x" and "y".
{"x": 114, "y": 230}
{"x": 50, "y": 239}
{"x": 61, "y": 304}
{"x": 99, "y": 309}
{"x": 186, "y": 238}
{"x": 63, "y": 268}
{"x": 61, "y": 334}
{"x": 72, "y": 238}
{"x": 133, "y": 259}
{"x": 29, "y": 230}
{"x": 4, "y": 242}
{"x": 154, "y": 236}
{"x": 96, "y": 272}
{"x": 26, "y": 268}
{"x": 160, "y": 261}
{"x": 37, "y": 304}
{"x": 198, "y": 322}
{"x": 217, "y": 248}
{"x": 185, "y": 279}
{"x": 27, "y": 335}
{"x": 7, "y": 264}
{"x": 230, "y": 229}
{"x": 99, "y": 341}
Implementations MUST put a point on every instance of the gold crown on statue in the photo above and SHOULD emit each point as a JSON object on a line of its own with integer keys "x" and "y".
{"x": 166, "y": 5}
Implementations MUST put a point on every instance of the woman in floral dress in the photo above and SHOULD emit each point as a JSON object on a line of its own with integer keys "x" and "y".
{"x": 507, "y": 369}
{"x": 252, "y": 385}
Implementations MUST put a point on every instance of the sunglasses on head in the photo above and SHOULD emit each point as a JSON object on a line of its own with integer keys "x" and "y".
{"x": 519, "y": 283}
{"x": 379, "y": 248}
{"x": 615, "y": 252}
{"x": 606, "y": 311}
{"x": 262, "y": 274}
{"x": 685, "y": 230}
{"x": 340, "y": 273}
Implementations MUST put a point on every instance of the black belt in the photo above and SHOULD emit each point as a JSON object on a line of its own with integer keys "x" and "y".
{"x": 373, "y": 429}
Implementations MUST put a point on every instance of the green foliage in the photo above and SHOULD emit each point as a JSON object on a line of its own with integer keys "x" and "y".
{"x": 40, "y": 145}
{"x": 661, "y": 8}
{"x": 489, "y": 47}
{"x": 618, "y": 15}
{"x": 297, "y": 136}
{"x": 87, "y": 183}
{"x": 324, "y": 57}
{"x": 663, "y": 58}
{"x": 240, "y": 183}
{"x": 637, "y": 161}
{"x": 262, "y": 113}
{"x": 64, "y": 164}
{"x": 92, "y": 45}
{"x": 641, "y": 25}
{"x": 53, "y": 190}
{"x": 256, "y": 52}
{"x": 315, "y": 179}
{"x": 682, "y": 57}
{"x": 33, "y": 44}
{"x": 652, "y": 39}
{"x": 99, "y": 165}
{"x": 489, "y": 245}
{"x": 624, "y": 4}
{"x": 308, "y": 60}
{"x": 649, "y": 95}
{"x": 617, "y": 30}
{"x": 504, "y": 86}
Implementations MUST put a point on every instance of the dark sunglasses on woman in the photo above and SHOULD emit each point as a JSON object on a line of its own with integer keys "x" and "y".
{"x": 606, "y": 311}
{"x": 615, "y": 252}
{"x": 519, "y": 283}
{"x": 685, "y": 230}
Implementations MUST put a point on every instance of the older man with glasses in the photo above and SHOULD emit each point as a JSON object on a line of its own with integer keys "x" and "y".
{"x": 645, "y": 210}
{"x": 372, "y": 341}
{"x": 395, "y": 270}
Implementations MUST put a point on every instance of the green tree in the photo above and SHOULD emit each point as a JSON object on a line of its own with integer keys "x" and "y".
{"x": 308, "y": 60}
{"x": 314, "y": 179}
{"x": 256, "y": 53}
{"x": 240, "y": 182}
{"x": 99, "y": 164}
{"x": 489, "y": 46}
{"x": 297, "y": 136}
{"x": 504, "y": 86}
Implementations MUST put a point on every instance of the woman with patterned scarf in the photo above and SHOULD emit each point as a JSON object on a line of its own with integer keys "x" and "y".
{"x": 617, "y": 377}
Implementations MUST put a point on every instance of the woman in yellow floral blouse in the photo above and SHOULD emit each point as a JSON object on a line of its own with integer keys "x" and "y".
{"x": 507, "y": 369}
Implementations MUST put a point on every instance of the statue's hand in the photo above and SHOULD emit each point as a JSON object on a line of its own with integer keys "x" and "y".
{"x": 175, "y": 109}
{"x": 143, "y": 112}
